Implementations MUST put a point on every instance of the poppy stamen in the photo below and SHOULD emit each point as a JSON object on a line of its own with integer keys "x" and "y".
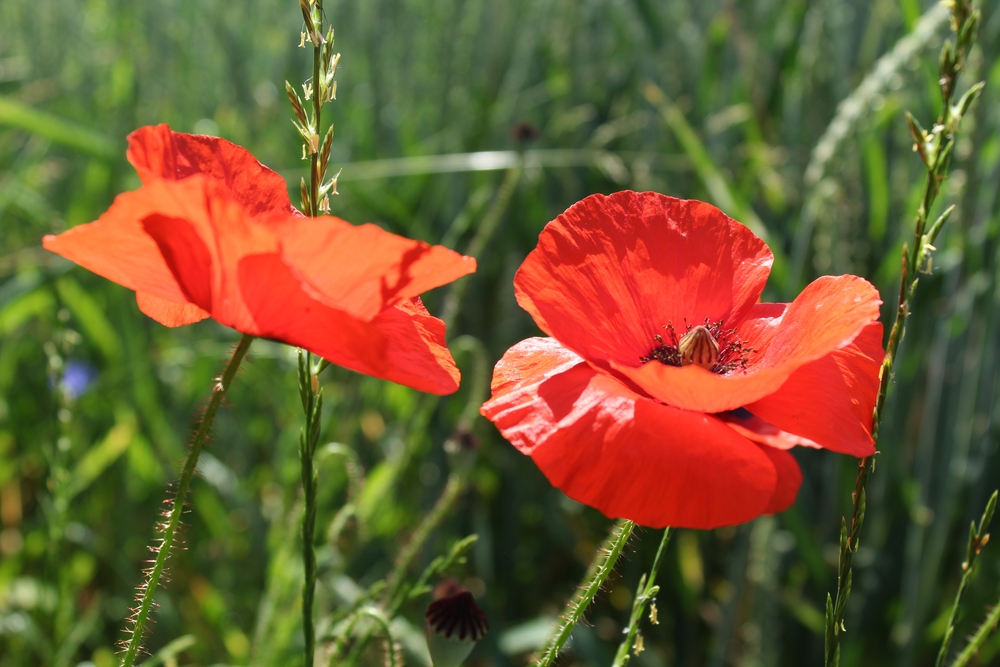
{"x": 708, "y": 345}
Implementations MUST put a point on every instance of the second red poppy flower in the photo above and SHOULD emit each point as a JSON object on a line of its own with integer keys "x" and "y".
{"x": 666, "y": 393}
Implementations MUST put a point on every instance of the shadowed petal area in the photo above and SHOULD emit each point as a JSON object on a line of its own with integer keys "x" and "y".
{"x": 364, "y": 269}
{"x": 789, "y": 480}
{"x": 156, "y": 152}
{"x": 827, "y": 316}
{"x": 830, "y": 401}
{"x": 754, "y": 428}
{"x": 169, "y": 313}
{"x": 404, "y": 344}
{"x": 611, "y": 271}
{"x": 608, "y": 447}
{"x": 186, "y": 254}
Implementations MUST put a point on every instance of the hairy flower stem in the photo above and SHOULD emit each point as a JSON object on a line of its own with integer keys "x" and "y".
{"x": 978, "y": 537}
{"x": 645, "y": 592}
{"x": 935, "y": 149}
{"x": 987, "y": 628}
{"x": 598, "y": 572}
{"x": 177, "y": 506}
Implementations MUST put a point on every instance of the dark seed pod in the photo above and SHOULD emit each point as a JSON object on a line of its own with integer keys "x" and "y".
{"x": 457, "y": 617}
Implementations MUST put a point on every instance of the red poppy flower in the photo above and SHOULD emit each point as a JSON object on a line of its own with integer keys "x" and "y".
{"x": 667, "y": 394}
{"x": 212, "y": 233}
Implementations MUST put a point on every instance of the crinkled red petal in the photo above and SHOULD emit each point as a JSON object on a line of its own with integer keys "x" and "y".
{"x": 611, "y": 448}
{"x": 364, "y": 269}
{"x": 830, "y": 401}
{"x": 827, "y": 316}
{"x": 611, "y": 271}
{"x": 403, "y": 344}
{"x": 157, "y": 152}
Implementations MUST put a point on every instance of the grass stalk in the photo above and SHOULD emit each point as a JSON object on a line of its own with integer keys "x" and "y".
{"x": 484, "y": 234}
{"x": 169, "y": 529}
{"x": 978, "y": 537}
{"x": 315, "y": 200}
{"x": 312, "y": 405}
{"x": 645, "y": 593}
{"x": 935, "y": 149}
{"x": 598, "y": 572}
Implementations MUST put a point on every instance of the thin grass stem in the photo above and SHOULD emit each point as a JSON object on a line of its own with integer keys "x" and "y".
{"x": 935, "y": 149}
{"x": 645, "y": 593}
{"x": 484, "y": 233}
{"x": 148, "y": 589}
{"x": 312, "y": 405}
{"x": 598, "y": 572}
{"x": 978, "y": 537}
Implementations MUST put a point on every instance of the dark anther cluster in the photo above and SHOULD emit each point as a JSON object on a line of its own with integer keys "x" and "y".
{"x": 733, "y": 354}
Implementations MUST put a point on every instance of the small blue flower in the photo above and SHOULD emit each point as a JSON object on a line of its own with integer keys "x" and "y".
{"x": 77, "y": 378}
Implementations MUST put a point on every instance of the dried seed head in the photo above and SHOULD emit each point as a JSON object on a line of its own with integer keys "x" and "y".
{"x": 697, "y": 347}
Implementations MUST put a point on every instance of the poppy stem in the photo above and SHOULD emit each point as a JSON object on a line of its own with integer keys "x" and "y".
{"x": 169, "y": 528}
{"x": 644, "y": 594}
{"x": 935, "y": 149}
{"x": 987, "y": 628}
{"x": 598, "y": 572}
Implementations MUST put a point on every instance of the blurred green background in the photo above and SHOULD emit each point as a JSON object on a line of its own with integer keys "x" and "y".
{"x": 473, "y": 123}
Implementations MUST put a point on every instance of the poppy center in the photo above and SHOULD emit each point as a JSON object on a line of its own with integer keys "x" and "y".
{"x": 707, "y": 345}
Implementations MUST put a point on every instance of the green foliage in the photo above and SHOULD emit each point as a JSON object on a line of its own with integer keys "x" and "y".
{"x": 787, "y": 113}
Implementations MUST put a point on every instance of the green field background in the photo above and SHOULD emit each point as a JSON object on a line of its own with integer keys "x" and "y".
{"x": 472, "y": 123}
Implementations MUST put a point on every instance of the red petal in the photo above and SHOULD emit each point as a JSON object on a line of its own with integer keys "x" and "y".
{"x": 158, "y": 153}
{"x": 118, "y": 248}
{"x": 829, "y": 314}
{"x": 611, "y": 271}
{"x": 830, "y": 401}
{"x": 403, "y": 344}
{"x": 604, "y": 445}
{"x": 169, "y": 313}
{"x": 364, "y": 269}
